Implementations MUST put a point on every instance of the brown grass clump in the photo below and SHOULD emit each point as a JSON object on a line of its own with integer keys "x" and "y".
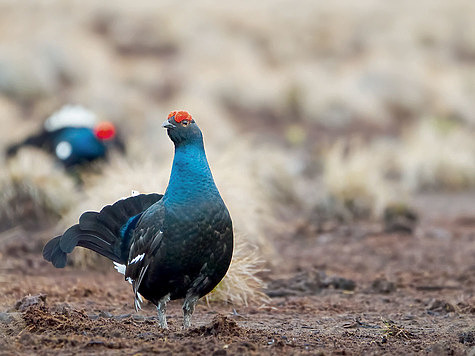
{"x": 34, "y": 189}
{"x": 391, "y": 329}
{"x": 437, "y": 154}
{"x": 366, "y": 178}
{"x": 354, "y": 176}
{"x": 242, "y": 285}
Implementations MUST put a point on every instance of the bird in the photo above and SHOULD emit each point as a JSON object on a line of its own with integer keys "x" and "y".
{"x": 177, "y": 245}
{"x": 73, "y": 136}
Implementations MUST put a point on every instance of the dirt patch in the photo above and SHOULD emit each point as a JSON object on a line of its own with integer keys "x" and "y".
{"x": 308, "y": 282}
{"x": 28, "y": 301}
{"x": 220, "y": 325}
{"x": 344, "y": 291}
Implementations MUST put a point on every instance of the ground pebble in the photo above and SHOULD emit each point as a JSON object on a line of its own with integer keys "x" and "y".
{"x": 105, "y": 314}
{"x": 5, "y": 318}
{"x": 122, "y": 316}
{"x": 138, "y": 317}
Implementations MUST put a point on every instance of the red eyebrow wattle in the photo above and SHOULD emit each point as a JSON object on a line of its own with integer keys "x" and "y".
{"x": 171, "y": 115}
{"x": 180, "y": 116}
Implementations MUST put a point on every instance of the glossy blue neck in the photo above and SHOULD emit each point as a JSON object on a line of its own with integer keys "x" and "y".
{"x": 191, "y": 180}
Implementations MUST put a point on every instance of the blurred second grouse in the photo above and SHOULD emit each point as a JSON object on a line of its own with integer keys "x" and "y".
{"x": 74, "y": 136}
{"x": 172, "y": 246}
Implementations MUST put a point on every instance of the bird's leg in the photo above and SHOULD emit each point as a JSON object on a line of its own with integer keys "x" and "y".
{"x": 188, "y": 309}
{"x": 162, "y": 310}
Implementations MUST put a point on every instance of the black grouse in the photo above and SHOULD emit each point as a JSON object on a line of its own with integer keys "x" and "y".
{"x": 73, "y": 136}
{"x": 172, "y": 246}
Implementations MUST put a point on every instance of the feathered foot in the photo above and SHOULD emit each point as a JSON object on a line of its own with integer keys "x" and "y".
{"x": 162, "y": 310}
{"x": 188, "y": 309}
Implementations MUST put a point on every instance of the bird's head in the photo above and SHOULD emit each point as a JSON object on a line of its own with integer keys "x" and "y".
{"x": 182, "y": 129}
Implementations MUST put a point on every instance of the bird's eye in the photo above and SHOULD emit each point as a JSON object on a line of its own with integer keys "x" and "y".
{"x": 185, "y": 123}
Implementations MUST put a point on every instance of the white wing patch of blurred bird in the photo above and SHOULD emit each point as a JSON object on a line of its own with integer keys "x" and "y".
{"x": 71, "y": 116}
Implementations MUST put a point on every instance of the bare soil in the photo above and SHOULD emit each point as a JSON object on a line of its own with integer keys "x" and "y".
{"x": 345, "y": 289}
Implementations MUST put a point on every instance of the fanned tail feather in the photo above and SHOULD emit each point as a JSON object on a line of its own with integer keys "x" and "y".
{"x": 53, "y": 253}
{"x": 100, "y": 231}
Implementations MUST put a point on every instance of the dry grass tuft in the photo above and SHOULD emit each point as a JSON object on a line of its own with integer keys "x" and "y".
{"x": 242, "y": 285}
{"x": 391, "y": 329}
{"x": 437, "y": 154}
{"x": 33, "y": 188}
{"x": 366, "y": 178}
{"x": 354, "y": 178}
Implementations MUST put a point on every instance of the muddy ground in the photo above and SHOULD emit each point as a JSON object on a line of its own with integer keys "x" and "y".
{"x": 344, "y": 289}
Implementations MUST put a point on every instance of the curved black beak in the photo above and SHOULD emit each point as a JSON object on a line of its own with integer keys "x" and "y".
{"x": 168, "y": 125}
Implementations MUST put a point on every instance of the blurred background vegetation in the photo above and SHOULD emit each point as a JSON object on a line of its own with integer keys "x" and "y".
{"x": 314, "y": 113}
